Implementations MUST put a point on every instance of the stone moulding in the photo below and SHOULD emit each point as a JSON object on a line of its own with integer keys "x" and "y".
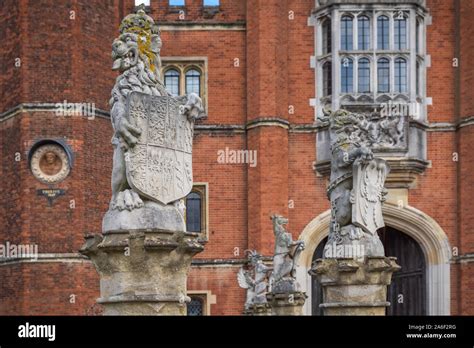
{"x": 403, "y": 171}
{"x": 289, "y": 304}
{"x": 258, "y": 310}
{"x": 355, "y": 287}
{"x": 322, "y": 4}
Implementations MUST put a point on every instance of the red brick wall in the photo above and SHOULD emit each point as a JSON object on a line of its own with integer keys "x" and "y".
{"x": 10, "y": 75}
{"x": 221, "y": 281}
{"x": 311, "y": 201}
{"x": 440, "y": 42}
{"x": 301, "y": 84}
{"x": 70, "y": 59}
{"x": 46, "y": 289}
{"x": 227, "y": 195}
{"x": 466, "y": 157}
{"x": 226, "y": 83}
{"x": 466, "y": 9}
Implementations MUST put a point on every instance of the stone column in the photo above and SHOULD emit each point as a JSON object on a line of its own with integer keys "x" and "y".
{"x": 143, "y": 271}
{"x": 355, "y": 287}
{"x": 287, "y": 304}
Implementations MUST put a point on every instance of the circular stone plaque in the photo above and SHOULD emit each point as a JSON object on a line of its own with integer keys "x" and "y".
{"x": 50, "y": 164}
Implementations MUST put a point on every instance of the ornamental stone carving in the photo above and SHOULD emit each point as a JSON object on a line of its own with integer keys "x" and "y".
{"x": 356, "y": 190}
{"x": 285, "y": 258}
{"x": 50, "y": 164}
{"x": 377, "y": 131}
{"x": 253, "y": 277}
{"x": 152, "y": 130}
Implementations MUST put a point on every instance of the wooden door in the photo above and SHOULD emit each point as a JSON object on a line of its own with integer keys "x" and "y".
{"x": 407, "y": 293}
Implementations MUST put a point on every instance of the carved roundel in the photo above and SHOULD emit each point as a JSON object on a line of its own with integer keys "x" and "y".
{"x": 50, "y": 163}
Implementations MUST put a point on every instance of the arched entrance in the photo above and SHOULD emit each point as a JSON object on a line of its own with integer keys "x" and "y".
{"x": 407, "y": 292}
{"x": 421, "y": 228}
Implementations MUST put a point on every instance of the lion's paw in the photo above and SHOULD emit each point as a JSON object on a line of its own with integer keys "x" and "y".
{"x": 127, "y": 200}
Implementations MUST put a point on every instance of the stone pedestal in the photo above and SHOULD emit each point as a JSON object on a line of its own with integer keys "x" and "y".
{"x": 355, "y": 287}
{"x": 142, "y": 272}
{"x": 258, "y": 310}
{"x": 287, "y": 304}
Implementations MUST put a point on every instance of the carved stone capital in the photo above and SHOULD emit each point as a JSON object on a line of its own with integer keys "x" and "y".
{"x": 258, "y": 310}
{"x": 287, "y": 304}
{"x": 142, "y": 272}
{"x": 355, "y": 287}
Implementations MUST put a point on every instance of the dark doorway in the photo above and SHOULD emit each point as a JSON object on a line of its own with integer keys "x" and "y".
{"x": 407, "y": 293}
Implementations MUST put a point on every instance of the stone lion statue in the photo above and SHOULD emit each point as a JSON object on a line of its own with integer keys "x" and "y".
{"x": 136, "y": 55}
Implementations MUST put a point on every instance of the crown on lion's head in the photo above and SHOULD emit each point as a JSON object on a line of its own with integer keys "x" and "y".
{"x": 139, "y": 40}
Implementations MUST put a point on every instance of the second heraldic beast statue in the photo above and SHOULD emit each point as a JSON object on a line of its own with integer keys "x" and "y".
{"x": 356, "y": 189}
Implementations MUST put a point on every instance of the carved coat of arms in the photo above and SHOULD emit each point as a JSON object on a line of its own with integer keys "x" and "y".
{"x": 368, "y": 194}
{"x": 159, "y": 166}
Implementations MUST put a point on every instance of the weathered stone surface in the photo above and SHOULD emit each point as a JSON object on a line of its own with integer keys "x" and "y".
{"x": 152, "y": 130}
{"x": 142, "y": 272}
{"x": 258, "y": 310}
{"x": 159, "y": 165}
{"x": 152, "y": 216}
{"x": 285, "y": 297}
{"x": 287, "y": 304}
{"x": 285, "y": 257}
{"x": 356, "y": 189}
{"x": 355, "y": 287}
{"x": 253, "y": 276}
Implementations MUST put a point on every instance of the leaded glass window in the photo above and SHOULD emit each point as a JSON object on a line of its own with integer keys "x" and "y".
{"x": 363, "y": 32}
{"x": 364, "y": 75}
{"x": 172, "y": 81}
{"x": 193, "y": 212}
{"x": 383, "y": 75}
{"x": 346, "y": 33}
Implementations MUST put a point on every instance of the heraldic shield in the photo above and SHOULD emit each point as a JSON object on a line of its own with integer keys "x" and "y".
{"x": 368, "y": 194}
{"x": 159, "y": 166}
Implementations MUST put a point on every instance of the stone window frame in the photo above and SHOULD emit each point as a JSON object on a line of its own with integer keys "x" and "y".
{"x": 207, "y": 298}
{"x": 211, "y": 6}
{"x": 183, "y": 65}
{"x": 202, "y": 189}
{"x": 415, "y": 54}
{"x": 174, "y": 6}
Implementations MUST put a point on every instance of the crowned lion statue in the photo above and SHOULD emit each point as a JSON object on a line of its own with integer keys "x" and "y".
{"x": 136, "y": 56}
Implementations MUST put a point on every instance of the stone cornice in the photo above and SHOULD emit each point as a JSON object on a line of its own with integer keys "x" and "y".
{"x": 266, "y": 122}
{"x": 468, "y": 121}
{"x": 45, "y": 257}
{"x": 466, "y": 258}
{"x": 429, "y": 127}
{"x": 236, "y": 128}
{"x": 219, "y": 128}
{"x": 44, "y": 107}
{"x": 403, "y": 171}
{"x": 203, "y": 26}
{"x": 324, "y": 4}
{"x": 76, "y": 257}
